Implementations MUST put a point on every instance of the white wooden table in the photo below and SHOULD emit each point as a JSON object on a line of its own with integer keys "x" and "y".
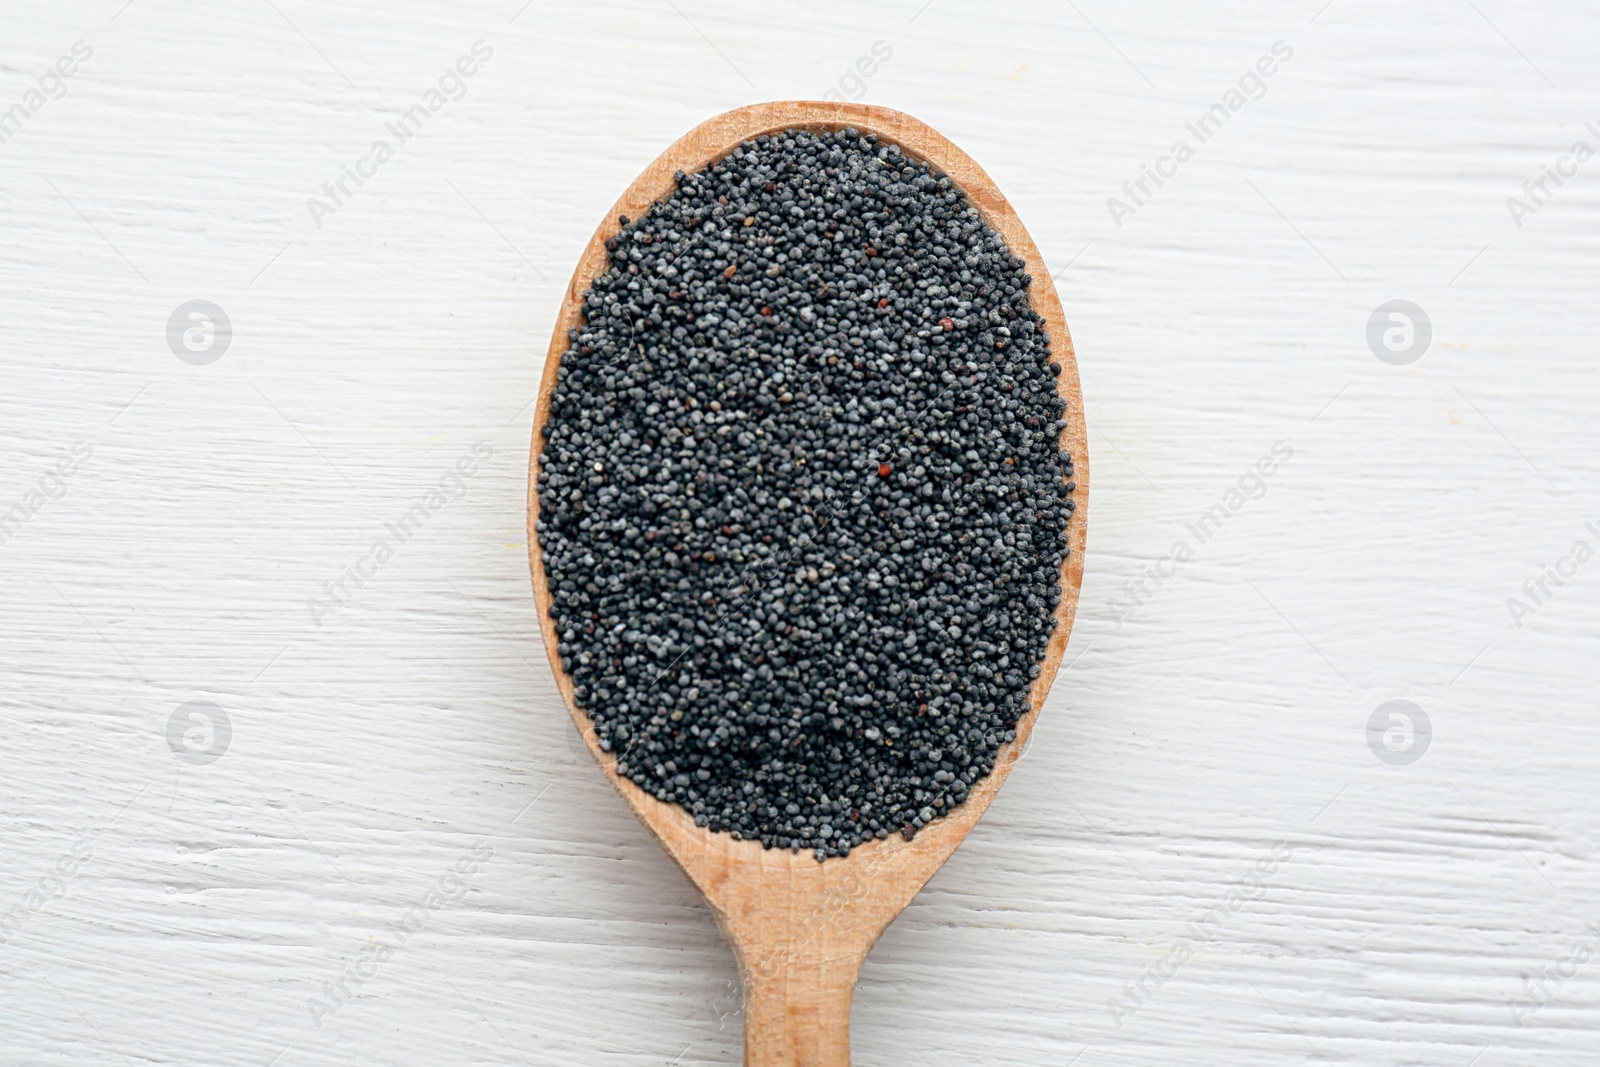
{"x": 377, "y": 842}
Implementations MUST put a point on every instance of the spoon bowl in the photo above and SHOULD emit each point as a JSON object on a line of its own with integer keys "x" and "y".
{"x": 801, "y": 928}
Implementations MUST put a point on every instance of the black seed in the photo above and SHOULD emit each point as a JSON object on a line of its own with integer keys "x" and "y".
{"x": 802, "y": 496}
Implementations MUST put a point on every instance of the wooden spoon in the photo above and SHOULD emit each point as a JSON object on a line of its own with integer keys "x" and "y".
{"x": 800, "y": 928}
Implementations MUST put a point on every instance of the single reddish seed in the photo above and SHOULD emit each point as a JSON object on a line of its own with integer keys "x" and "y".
{"x": 948, "y": 324}
{"x": 729, "y": 272}
{"x": 884, "y": 469}
{"x": 884, "y": 302}
{"x": 766, "y": 311}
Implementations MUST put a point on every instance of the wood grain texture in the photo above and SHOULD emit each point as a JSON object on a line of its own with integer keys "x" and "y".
{"x": 1416, "y": 906}
{"x": 800, "y": 929}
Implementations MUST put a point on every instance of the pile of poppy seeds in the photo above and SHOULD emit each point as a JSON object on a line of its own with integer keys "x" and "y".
{"x": 802, "y": 507}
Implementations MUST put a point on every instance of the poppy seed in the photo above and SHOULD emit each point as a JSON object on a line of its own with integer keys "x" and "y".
{"x": 802, "y": 524}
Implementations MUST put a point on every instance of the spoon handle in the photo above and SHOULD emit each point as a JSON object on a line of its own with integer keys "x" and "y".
{"x": 797, "y": 1008}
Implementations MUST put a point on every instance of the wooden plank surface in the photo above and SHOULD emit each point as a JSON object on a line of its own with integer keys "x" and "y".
{"x": 400, "y": 853}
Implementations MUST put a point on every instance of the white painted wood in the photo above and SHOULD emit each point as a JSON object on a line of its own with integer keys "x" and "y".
{"x": 199, "y": 908}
